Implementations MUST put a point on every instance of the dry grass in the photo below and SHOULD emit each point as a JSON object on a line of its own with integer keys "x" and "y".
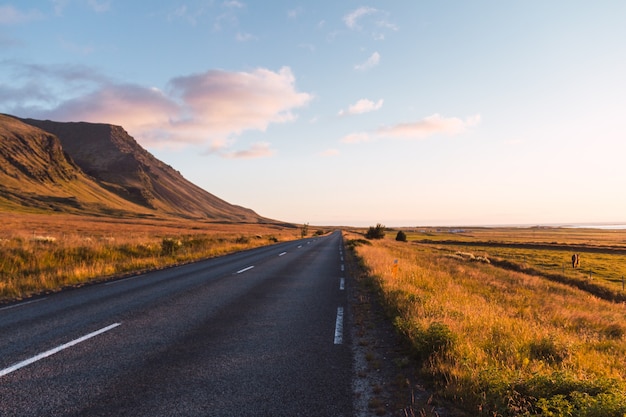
{"x": 596, "y": 237}
{"x": 40, "y": 253}
{"x": 503, "y": 343}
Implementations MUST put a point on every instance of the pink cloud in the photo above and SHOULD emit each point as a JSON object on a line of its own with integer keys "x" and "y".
{"x": 142, "y": 111}
{"x": 329, "y": 153}
{"x": 431, "y": 125}
{"x": 358, "y": 137}
{"x": 428, "y": 126}
{"x": 257, "y": 150}
{"x": 210, "y": 108}
{"x": 226, "y": 103}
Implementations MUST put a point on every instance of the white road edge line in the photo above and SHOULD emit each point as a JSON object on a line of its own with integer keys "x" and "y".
{"x": 282, "y": 254}
{"x": 339, "y": 326}
{"x": 22, "y": 304}
{"x": 245, "y": 269}
{"x": 56, "y": 350}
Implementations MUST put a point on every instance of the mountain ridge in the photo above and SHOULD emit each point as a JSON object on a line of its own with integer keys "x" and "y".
{"x": 98, "y": 168}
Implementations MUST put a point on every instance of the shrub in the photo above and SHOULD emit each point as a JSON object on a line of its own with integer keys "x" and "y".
{"x": 613, "y": 331}
{"x": 401, "y": 236}
{"x": 547, "y": 349}
{"x": 169, "y": 245}
{"x": 437, "y": 338}
{"x": 377, "y": 232}
{"x": 353, "y": 243}
{"x": 243, "y": 240}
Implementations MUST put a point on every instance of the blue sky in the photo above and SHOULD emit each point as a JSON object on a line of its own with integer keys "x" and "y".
{"x": 351, "y": 112}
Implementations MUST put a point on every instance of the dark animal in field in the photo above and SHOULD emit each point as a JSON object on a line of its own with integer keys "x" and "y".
{"x": 575, "y": 260}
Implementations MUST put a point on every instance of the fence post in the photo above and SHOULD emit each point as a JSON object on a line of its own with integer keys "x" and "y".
{"x": 622, "y": 282}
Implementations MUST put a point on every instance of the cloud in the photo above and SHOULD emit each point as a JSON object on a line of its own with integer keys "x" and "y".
{"x": 429, "y": 126}
{"x": 329, "y": 153}
{"x": 257, "y": 150}
{"x": 100, "y": 6}
{"x": 222, "y": 14}
{"x": 295, "y": 13}
{"x": 225, "y": 103}
{"x": 244, "y": 37}
{"x": 9, "y": 15}
{"x": 206, "y": 109}
{"x": 378, "y": 21}
{"x": 233, "y": 4}
{"x": 358, "y": 137}
{"x": 352, "y": 18}
{"x": 384, "y": 24}
{"x": 59, "y": 6}
{"x": 308, "y": 46}
{"x": 362, "y": 106}
{"x": 371, "y": 62}
{"x": 142, "y": 111}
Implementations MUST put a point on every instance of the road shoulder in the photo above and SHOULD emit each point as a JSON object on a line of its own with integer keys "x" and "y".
{"x": 386, "y": 379}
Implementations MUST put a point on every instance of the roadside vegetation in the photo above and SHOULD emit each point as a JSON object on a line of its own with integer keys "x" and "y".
{"x": 497, "y": 341}
{"x": 39, "y": 254}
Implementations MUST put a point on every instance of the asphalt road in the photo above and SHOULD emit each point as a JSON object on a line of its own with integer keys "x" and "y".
{"x": 257, "y": 333}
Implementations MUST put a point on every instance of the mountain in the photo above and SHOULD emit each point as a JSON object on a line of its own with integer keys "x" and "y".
{"x": 98, "y": 169}
{"x": 37, "y": 175}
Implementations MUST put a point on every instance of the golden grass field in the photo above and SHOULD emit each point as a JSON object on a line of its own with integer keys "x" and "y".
{"x": 42, "y": 253}
{"x": 495, "y": 340}
{"x": 499, "y": 322}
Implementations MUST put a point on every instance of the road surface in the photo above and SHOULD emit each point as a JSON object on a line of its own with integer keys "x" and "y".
{"x": 256, "y": 333}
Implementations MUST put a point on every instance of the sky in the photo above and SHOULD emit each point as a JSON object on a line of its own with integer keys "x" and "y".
{"x": 404, "y": 113}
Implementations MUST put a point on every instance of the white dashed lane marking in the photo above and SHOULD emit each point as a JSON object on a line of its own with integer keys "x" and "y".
{"x": 245, "y": 269}
{"x": 57, "y": 349}
{"x": 339, "y": 326}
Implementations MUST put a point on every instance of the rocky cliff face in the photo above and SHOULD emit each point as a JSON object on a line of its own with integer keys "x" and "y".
{"x": 46, "y": 154}
{"x": 37, "y": 174}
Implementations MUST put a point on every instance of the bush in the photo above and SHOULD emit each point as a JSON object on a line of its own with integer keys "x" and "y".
{"x": 377, "y": 232}
{"x": 353, "y": 243}
{"x": 401, "y": 236}
{"x": 436, "y": 339}
{"x": 169, "y": 245}
{"x": 242, "y": 240}
{"x": 548, "y": 350}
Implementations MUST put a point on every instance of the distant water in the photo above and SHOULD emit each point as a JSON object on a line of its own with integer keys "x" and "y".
{"x": 597, "y": 226}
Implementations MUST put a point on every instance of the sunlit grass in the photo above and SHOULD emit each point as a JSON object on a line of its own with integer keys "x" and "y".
{"x": 501, "y": 342}
{"x": 46, "y": 253}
